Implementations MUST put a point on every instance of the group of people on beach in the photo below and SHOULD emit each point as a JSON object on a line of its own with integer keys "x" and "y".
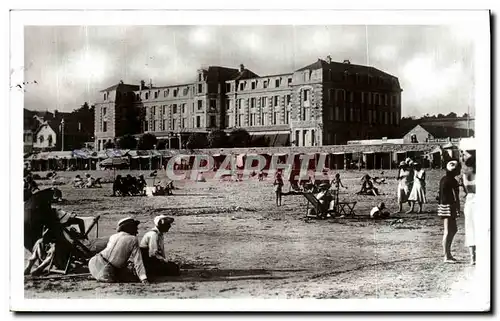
{"x": 129, "y": 185}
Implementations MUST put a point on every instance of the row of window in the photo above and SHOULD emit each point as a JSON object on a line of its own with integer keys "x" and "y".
{"x": 357, "y": 78}
{"x": 258, "y": 119}
{"x": 41, "y": 139}
{"x": 362, "y": 97}
{"x": 256, "y": 101}
{"x": 196, "y": 122}
{"x": 257, "y": 84}
{"x": 307, "y": 139}
{"x": 154, "y": 110}
{"x": 155, "y": 94}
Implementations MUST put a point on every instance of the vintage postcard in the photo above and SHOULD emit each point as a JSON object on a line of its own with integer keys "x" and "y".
{"x": 322, "y": 159}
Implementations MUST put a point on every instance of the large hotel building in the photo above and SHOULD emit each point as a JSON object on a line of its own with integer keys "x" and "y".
{"x": 324, "y": 103}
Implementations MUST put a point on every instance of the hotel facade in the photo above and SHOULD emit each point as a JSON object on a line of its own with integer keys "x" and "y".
{"x": 324, "y": 103}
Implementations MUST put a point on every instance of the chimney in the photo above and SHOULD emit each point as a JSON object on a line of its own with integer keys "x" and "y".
{"x": 143, "y": 84}
{"x": 242, "y": 67}
{"x": 347, "y": 62}
{"x": 328, "y": 59}
{"x": 150, "y": 83}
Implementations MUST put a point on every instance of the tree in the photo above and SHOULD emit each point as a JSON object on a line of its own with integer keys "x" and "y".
{"x": 465, "y": 115}
{"x": 239, "y": 138}
{"x": 197, "y": 141}
{"x": 127, "y": 142}
{"x": 109, "y": 145}
{"x": 441, "y": 116}
{"x": 451, "y": 115}
{"x": 147, "y": 141}
{"x": 217, "y": 139}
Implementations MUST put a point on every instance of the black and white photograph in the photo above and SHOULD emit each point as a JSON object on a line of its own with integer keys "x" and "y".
{"x": 326, "y": 159}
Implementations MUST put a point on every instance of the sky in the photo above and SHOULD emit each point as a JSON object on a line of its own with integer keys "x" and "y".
{"x": 70, "y": 64}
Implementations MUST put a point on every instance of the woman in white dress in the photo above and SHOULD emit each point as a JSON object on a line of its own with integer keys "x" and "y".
{"x": 403, "y": 189}
{"x": 469, "y": 183}
{"x": 417, "y": 194}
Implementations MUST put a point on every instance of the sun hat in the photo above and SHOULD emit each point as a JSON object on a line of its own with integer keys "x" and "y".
{"x": 127, "y": 220}
{"x": 451, "y": 166}
{"x": 408, "y": 160}
{"x": 168, "y": 220}
{"x": 402, "y": 163}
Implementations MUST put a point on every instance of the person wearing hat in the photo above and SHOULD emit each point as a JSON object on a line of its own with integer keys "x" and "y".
{"x": 449, "y": 206}
{"x": 153, "y": 249}
{"x": 278, "y": 187}
{"x": 121, "y": 260}
{"x": 378, "y": 211}
{"x": 403, "y": 185}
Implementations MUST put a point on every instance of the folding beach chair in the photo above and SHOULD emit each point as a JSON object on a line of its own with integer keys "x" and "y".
{"x": 78, "y": 253}
{"x": 321, "y": 210}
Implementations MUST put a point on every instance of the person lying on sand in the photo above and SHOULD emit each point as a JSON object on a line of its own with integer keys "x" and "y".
{"x": 121, "y": 260}
{"x": 378, "y": 211}
{"x": 153, "y": 249}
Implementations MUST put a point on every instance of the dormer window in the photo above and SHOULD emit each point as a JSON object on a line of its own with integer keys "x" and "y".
{"x": 265, "y": 83}
{"x": 228, "y": 87}
{"x": 289, "y": 81}
{"x": 146, "y": 96}
{"x": 253, "y": 84}
{"x": 200, "y": 77}
{"x": 156, "y": 94}
{"x": 175, "y": 92}
{"x": 242, "y": 86}
{"x": 277, "y": 83}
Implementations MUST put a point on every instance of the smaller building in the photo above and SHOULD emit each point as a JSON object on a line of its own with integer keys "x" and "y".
{"x": 28, "y": 141}
{"x": 45, "y": 137}
{"x": 426, "y": 133}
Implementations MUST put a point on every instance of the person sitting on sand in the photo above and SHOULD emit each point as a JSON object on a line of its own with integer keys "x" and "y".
{"x": 121, "y": 260}
{"x": 367, "y": 186}
{"x": 43, "y": 254}
{"x": 153, "y": 249}
{"x": 378, "y": 211}
{"x": 90, "y": 181}
{"x": 78, "y": 182}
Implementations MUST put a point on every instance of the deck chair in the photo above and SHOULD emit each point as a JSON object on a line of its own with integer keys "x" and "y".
{"x": 321, "y": 210}
{"x": 78, "y": 252}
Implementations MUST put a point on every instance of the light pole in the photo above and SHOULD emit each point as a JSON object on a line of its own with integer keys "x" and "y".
{"x": 62, "y": 134}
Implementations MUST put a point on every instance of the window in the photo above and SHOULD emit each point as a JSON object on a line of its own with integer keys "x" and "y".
{"x": 289, "y": 81}
{"x": 200, "y": 88}
{"x": 228, "y": 104}
{"x": 242, "y": 86}
{"x": 104, "y": 96}
{"x": 174, "y": 124}
{"x": 386, "y": 120}
{"x": 385, "y": 99}
{"x": 253, "y": 119}
{"x": 163, "y": 124}
{"x": 174, "y": 109}
{"x": 146, "y": 95}
{"x": 156, "y": 94}
{"x": 200, "y": 77}
{"x": 103, "y": 111}
{"x": 351, "y": 114}
{"x": 213, "y": 122}
{"x": 154, "y": 125}
{"x": 304, "y": 137}
{"x": 104, "y": 126}
{"x": 240, "y": 103}
{"x": 253, "y": 84}
{"x": 164, "y": 109}
{"x": 374, "y": 117}
{"x": 213, "y": 104}
{"x": 313, "y": 138}
{"x": 277, "y": 83}
{"x": 337, "y": 113}
{"x": 138, "y": 97}
{"x": 228, "y": 87}
{"x": 306, "y": 95}
{"x": 330, "y": 94}
{"x": 183, "y": 123}
{"x": 146, "y": 124}
{"x": 264, "y": 119}
{"x": 175, "y": 92}
{"x": 198, "y": 121}
{"x": 252, "y": 102}
{"x": 288, "y": 99}
{"x": 276, "y": 100}
{"x": 165, "y": 93}
{"x": 49, "y": 139}
{"x": 240, "y": 120}
{"x": 297, "y": 137}
{"x": 40, "y": 139}
{"x": 275, "y": 118}
{"x": 287, "y": 116}
{"x": 153, "y": 110}
{"x": 265, "y": 83}
{"x": 305, "y": 75}
{"x": 183, "y": 108}
{"x": 264, "y": 101}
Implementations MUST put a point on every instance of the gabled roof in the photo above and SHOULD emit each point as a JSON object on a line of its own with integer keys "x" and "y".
{"x": 122, "y": 87}
{"x": 245, "y": 74}
{"x": 445, "y": 132}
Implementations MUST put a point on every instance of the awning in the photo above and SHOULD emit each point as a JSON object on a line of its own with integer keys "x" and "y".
{"x": 114, "y": 162}
{"x": 369, "y": 152}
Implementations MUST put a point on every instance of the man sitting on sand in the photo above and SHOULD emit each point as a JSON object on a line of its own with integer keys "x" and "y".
{"x": 153, "y": 249}
{"x": 121, "y": 260}
{"x": 367, "y": 186}
{"x": 378, "y": 212}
